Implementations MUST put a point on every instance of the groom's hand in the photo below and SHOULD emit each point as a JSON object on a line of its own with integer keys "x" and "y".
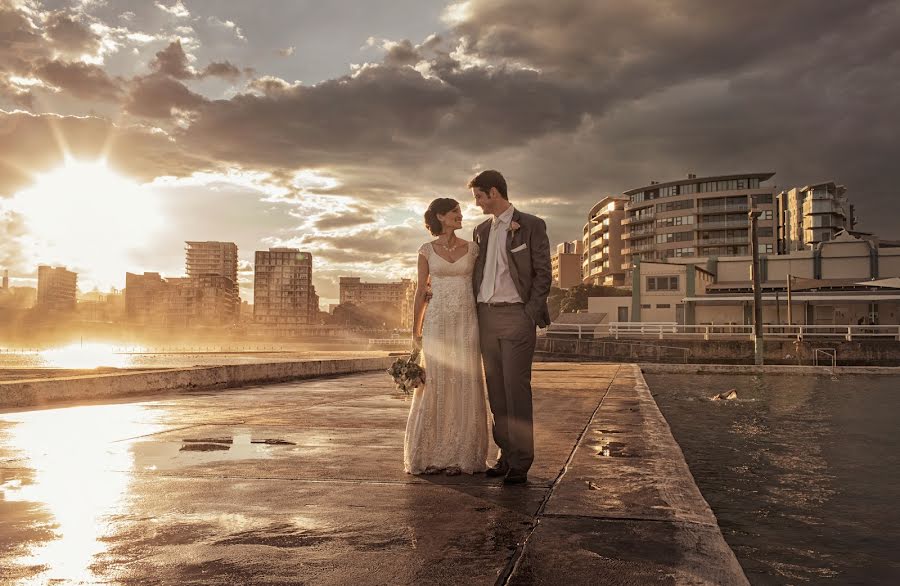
{"x": 428, "y": 294}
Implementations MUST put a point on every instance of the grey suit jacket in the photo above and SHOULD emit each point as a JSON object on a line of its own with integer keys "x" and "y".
{"x": 528, "y": 266}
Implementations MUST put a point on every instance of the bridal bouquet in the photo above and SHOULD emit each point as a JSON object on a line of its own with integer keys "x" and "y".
{"x": 408, "y": 375}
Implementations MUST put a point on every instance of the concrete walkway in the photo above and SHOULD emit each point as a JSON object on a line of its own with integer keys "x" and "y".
{"x": 302, "y": 483}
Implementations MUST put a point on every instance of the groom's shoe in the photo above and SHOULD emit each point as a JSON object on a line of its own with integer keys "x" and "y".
{"x": 515, "y": 477}
{"x": 499, "y": 469}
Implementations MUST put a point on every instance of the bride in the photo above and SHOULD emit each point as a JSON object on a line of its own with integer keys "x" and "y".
{"x": 448, "y": 429}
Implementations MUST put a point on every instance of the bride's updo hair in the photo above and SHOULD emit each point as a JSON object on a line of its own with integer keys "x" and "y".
{"x": 441, "y": 205}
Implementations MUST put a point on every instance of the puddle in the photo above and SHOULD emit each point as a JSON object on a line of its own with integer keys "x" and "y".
{"x": 186, "y": 452}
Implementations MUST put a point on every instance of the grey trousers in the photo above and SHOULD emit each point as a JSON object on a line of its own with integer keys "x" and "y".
{"x": 508, "y": 337}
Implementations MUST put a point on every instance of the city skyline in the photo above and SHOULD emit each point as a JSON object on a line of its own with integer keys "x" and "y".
{"x": 329, "y": 129}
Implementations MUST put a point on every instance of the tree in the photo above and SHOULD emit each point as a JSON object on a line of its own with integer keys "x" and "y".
{"x": 576, "y": 298}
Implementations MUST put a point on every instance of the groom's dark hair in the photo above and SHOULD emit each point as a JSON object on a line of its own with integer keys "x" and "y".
{"x": 487, "y": 179}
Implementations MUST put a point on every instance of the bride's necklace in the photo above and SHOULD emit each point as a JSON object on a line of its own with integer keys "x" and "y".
{"x": 457, "y": 244}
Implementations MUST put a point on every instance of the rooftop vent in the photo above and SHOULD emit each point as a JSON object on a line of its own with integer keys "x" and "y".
{"x": 654, "y": 182}
{"x": 692, "y": 176}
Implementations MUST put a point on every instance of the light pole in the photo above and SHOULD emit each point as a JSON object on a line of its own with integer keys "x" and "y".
{"x": 757, "y": 289}
{"x": 790, "y": 310}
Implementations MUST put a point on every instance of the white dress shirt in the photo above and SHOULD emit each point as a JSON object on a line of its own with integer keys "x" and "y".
{"x": 504, "y": 290}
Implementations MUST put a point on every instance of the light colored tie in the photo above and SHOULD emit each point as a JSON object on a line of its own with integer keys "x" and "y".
{"x": 490, "y": 262}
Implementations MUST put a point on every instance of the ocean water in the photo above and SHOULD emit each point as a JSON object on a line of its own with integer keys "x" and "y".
{"x": 802, "y": 472}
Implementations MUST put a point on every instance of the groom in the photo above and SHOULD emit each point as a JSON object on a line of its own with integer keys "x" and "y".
{"x": 511, "y": 282}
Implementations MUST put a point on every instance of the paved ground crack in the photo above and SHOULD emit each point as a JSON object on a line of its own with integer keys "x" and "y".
{"x": 513, "y": 564}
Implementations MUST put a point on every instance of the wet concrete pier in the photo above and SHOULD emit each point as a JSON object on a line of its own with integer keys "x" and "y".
{"x": 303, "y": 483}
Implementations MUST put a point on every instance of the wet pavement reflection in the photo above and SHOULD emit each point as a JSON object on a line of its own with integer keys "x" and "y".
{"x": 64, "y": 468}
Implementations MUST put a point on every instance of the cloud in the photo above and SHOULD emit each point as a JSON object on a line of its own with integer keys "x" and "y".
{"x": 351, "y": 219}
{"x": 173, "y": 61}
{"x": 82, "y": 80}
{"x": 177, "y": 10}
{"x": 224, "y": 69}
{"x": 68, "y": 34}
{"x": 285, "y": 52}
{"x": 161, "y": 97}
{"x": 31, "y": 144}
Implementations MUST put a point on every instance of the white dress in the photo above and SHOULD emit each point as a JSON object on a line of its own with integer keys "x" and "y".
{"x": 449, "y": 419}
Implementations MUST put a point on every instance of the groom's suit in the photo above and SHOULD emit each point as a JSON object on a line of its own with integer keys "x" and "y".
{"x": 507, "y": 330}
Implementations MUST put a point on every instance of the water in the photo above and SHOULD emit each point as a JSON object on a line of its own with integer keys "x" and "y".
{"x": 802, "y": 472}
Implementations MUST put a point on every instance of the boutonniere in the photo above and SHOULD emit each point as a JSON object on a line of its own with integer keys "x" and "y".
{"x": 513, "y": 226}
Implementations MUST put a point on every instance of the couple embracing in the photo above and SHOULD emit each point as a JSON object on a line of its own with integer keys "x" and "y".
{"x": 478, "y": 330}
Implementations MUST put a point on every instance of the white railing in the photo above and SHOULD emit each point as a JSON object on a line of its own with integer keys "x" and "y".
{"x": 576, "y": 331}
{"x": 664, "y": 330}
{"x": 394, "y": 342}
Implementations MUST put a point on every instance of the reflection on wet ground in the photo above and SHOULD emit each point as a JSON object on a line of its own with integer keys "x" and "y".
{"x": 285, "y": 483}
{"x": 803, "y": 473}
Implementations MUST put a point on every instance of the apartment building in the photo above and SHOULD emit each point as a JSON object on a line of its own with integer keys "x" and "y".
{"x": 698, "y": 217}
{"x": 284, "y": 299}
{"x": 566, "y": 264}
{"x": 206, "y": 259}
{"x": 602, "y": 243}
{"x": 56, "y": 289}
{"x": 812, "y": 214}
{"x": 395, "y": 298}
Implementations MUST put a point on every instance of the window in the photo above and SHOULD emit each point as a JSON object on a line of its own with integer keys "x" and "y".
{"x": 675, "y": 237}
{"x": 676, "y": 221}
{"x": 645, "y": 306}
{"x": 761, "y": 198}
{"x": 675, "y": 205}
{"x": 765, "y": 232}
{"x": 663, "y": 306}
{"x": 662, "y": 283}
{"x": 766, "y": 215}
{"x": 765, "y": 248}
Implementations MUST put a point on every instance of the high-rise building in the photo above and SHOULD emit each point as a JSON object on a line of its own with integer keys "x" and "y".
{"x": 56, "y": 289}
{"x": 284, "y": 298}
{"x": 392, "y": 301}
{"x": 207, "y": 259}
{"x": 602, "y": 243}
{"x": 698, "y": 217}
{"x": 566, "y": 264}
{"x": 812, "y": 214}
{"x": 146, "y": 298}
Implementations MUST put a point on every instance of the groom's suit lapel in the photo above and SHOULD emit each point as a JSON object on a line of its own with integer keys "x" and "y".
{"x": 511, "y": 261}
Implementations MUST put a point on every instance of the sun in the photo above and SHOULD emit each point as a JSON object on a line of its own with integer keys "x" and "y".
{"x": 88, "y": 218}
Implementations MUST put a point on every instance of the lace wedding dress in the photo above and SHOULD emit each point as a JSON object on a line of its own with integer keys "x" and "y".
{"x": 449, "y": 420}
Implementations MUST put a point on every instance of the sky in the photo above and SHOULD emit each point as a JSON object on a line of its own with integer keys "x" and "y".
{"x": 130, "y": 126}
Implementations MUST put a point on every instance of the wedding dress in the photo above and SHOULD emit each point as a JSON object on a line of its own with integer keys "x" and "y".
{"x": 449, "y": 419}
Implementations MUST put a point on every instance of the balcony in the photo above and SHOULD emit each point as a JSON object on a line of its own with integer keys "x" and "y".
{"x": 744, "y": 223}
{"x": 638, "y": 233}
{"x": 639, "y": 248}
{"x": 724, "y": 241}
{"x": 639, "y": 205}
{"x": 724, "y": 209}
{"x": 648, "y": 217}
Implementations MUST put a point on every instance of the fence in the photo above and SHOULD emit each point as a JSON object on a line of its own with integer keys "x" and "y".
{"x": 667, "y": 330}
{"x": 613, "y": 350}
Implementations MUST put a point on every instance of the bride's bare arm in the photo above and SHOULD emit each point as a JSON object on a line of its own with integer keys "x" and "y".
{"x": 420, "y": 301}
